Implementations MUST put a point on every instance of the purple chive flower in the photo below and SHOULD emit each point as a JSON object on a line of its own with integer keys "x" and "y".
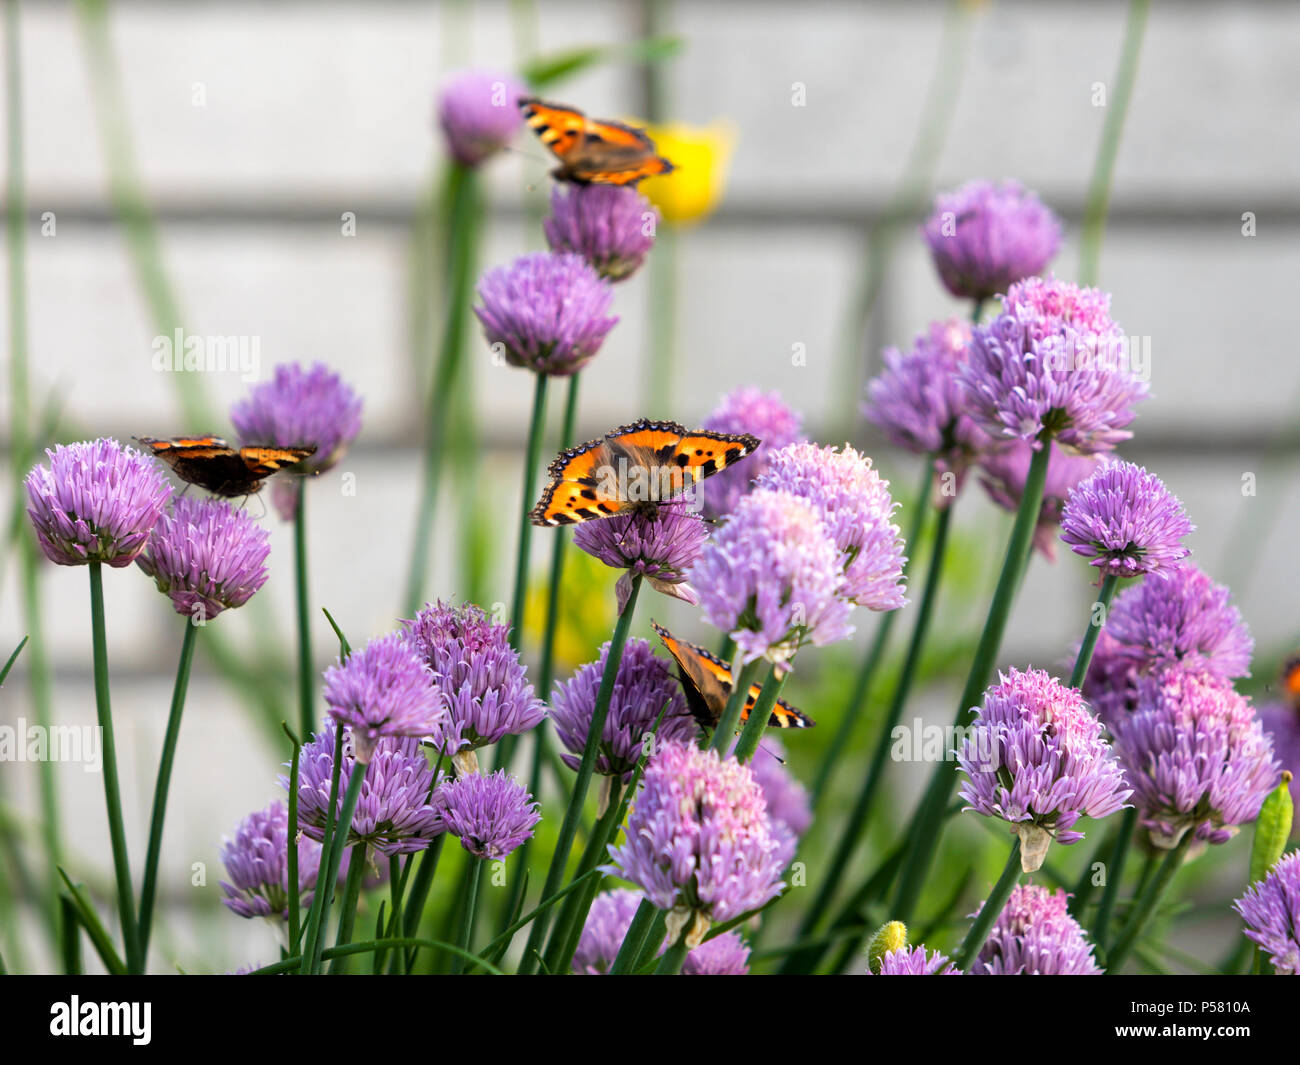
{"x": 477, "y": 676}
{"x": 207, "y": 556}
{"x": 698, "y": 839}
{"x": 1003, "y": 472}
{"x": 660, "y": 546}
{"x": 394, "y": 814}
{"x": 1271, "y": 910}
{"x": 1196, "y": 756}
{"x": 301, "y": 408}
{"x": 478, "y": 111}
{"x": 918, "y": 404}
{"x": 914, "y": 961}
{"x": 643, "y": 686}
{"x": 1282, "y": 724}
{"x": 856, "y": 509}
{"x": 607, "y": 924}
{"x": 492, "y": 815}
{"x": 773, "y": 578}
{"x": 95, "y": 502}
{"x": 384, "y": 689}
{"x": 548, "y": 313}
{"x": 1052, "y": 366}
{"x": 761, "y": 414}
{"x": 612, "y": 227}
{"x": 1126, "y": 521}
{"x": 788, "y": 807}
{"x": 1035, "y": 758}
{"x": 1035, "y": 935}
{"x": 984, "y": 237}
{"x": 257, "y": 863}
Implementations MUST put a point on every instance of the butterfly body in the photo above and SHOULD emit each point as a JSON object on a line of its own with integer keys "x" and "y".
{"x": 706, "y": 681}
{"x": 212, "y": 464}
{"x": 634, "y": 468}
{"x": 591, "y": 151}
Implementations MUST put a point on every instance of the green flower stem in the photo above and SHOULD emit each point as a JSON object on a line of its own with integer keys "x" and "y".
{"x": 979, "y": 931}
{"x": 461, "y": 204}
{"x": 69, "y": 937}
{"x": 525, "y": 525}
{"x": 634, "y": 939}
{"x": 318, "y": 921}
{"x": 730, "y": 719}
{"x": 654, "y": 939}
{"x": 1081, "y": 893}
{"x": 469, "y": 893}
{"x": 112, "y": 790}
{"x": 327, "y": 836}
{"x": 148, "y": 892}
{"x": 1114, "y": 875}
{"x": 501, "y": 943}
{"x": 366, "y": 947}
{"x": 420, "y": 893}
{"x": 348, "y": 912}
{"x": 928, "y": 824}
{"x": 752, "y": 734}
{"x": 853, "y": 915}
{"x": 1146, "y": 904}
{"x": 560, "y": 859}
{"x": 1084, "y": 657}
{"x": 295, "y": 897}
{"x": 857, "y": 820}
{"x": 546, "y": 671}
{"x": 306, "y": 674}
{"x": 580, "y": 903}
{"x": 671, "y": 962}
{"x": 867, "y": 673}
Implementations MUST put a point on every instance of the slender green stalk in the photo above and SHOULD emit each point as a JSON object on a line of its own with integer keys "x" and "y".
{"x": 979, "y": 931}
{"x": 499, "y": 945}
{"x": 1097, "y": 202}
{"x": 1096, "y": 621}
{"x": 1146, "y": 904}
{"x": 1081, "y": 892}
{"x": 295, "y": 899}
{"x": 653, "y": 941}
{"x": 752, "y": 734}
{"x": 9, "y": 662}
{"x": 858, "y": 817}
{"x": 327, "y": 837}
{"x": 1114, "y": 875}
{"x": 928, "y": 824}
{"x": 69, "y": 937}
{"x": 319, "y": 917}
{"x": 473, "y": 878}
{"x": 525, "y": 525}
{"x": 112, "y": 790}
{"x": 420, "y": 892}
{"x": 634, "y": 938}
{"x": 348, "y": 912}
{"x": 95, "y": 930}
{"x": 295, "y": 961}
{"x": 730, "y": 719}
{"x": 560, "y": 859}
{"x": 867, "y": 673}
{"x": 546, "y": 669}
{"x": 671, "y": 962}
{"x": 567, "y": 924}
{"x": 148, "y": 891}
{"x": 306, "y": 673}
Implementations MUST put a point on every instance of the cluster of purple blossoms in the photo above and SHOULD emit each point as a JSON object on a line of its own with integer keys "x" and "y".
{"x": 1003, "y": 472}
{"x": 984, "y": 237}
{"x": 918, "y": 404}
{"x": 1036, "y": 759}
{"x": 478, "y": 111}
{"x": 257, "y": 864}
{"x": 773, "y": 578}
{"x": 394, "y": 814}
{"x": 207, "y": 556}
{"x": 1035, "y": 936}
{"x": 660, "y": 546}
{"x": 1196, "y": 756}
{"x": 764, "y": 415}
{"x": 611, "y": 226}
{"x": 477, "y": 677}
{"x": 788, "y": 807}
{"x": 698, "y": 842}
{"x": 914, "y": 961}
{"x": 95, "y": 502}
{"x": 384, "y": 689}
{"x": 548, "y": 312}
{"x": 1126, "y": 521}
{"x": 607, "y": 924}
{"x": 856, "y": 510}
{"x": 644, "y": 687}
{"x": 1048, "y": 367}
{"x": 492, "y": 815}
{"x": 1271, "y": 910}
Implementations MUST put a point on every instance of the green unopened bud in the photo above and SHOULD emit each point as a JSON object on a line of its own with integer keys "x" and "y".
{"x": 1272, "y": 829}
{"x": 890, "y": 936}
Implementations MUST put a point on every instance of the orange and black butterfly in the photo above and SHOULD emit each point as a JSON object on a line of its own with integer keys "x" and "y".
{"x": 1291, "y": 681}
{"x": 706, "y": 680}
{"x": 211, "y": 463}
{"x": 633, "y": 468}
{"x": 593, "y": 152}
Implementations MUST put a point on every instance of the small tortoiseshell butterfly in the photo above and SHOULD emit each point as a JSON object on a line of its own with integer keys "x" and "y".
{"x": 593, "y": 152}
{"x": 706, "y": 680}
{"x": 211, "y": 463}
{"x": 1291, "y": 681}
{"x": 634, "y": 468}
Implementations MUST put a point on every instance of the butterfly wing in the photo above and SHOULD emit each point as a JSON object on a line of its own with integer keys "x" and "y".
{"x": 578, "y": 489}
{"x": 264, "y": 461}
{"x": 593, "y": 152}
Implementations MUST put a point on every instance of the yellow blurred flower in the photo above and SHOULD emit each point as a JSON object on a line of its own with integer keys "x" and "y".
{"x": 701, "y": 156}
{"x": 586, "y": 614}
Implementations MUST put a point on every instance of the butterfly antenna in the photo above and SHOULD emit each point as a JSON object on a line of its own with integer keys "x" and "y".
{"x": 772, "y": 753}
